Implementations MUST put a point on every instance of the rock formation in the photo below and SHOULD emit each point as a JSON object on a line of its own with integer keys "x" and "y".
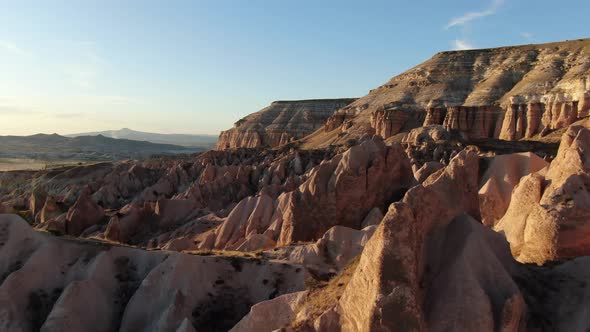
{"x": 502, "y": 175}
{"x": 549, "y": 213}
{"x": 280, "y": 123}
{"x": 432, "y": 266}
{"x": 340, "y": 191}
{"x": 460, "y": 152}
{"x": 507, "y": 92}
{"x": 50, "y": 284}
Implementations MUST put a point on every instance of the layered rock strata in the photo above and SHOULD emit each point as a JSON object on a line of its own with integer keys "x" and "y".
{"x": 280, "y": 123}
{"x": 508, "y": 92}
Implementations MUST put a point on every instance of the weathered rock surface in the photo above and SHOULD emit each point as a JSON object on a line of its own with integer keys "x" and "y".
{"x": 549, "y": 213}
{"x": 502, "y": 175}
{"x": 340, "y": 191}
{"x": 405, "y": 279}
{"x": 330, "y": 254}
{"x": 53, "y": 284}
{"x": 431, "y": 266}
{"x": 280, "y": 123}
{"x": 153, "y": 202}
{"x": 83, "y": 214}
{"x": 507, "y": 92}
{"x": 271, "y": 315}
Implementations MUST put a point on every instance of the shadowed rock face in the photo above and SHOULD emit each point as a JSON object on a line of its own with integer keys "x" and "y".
{"x": 56, "y": 284}
{"x": 280, "y": 123}
{"x": 508, "y": 93}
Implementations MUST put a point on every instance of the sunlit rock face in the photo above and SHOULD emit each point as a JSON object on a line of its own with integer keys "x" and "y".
{"x": 548, "y": 217}
{"x": 280, "y": 123}
{"x": 509, "y": 93}
{"x": 339, "y": 191}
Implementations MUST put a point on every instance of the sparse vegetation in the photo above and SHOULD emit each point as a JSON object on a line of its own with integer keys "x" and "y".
{"x": 323, "y": 295}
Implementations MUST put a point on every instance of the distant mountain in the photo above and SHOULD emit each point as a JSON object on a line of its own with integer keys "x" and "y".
{"x": 202, "y": 141}
{"x": 99, "y": 147}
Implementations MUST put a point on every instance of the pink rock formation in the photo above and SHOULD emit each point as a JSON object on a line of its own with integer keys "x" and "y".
{"x": 127, "y": 223}
{"x": 171, "y": 212}
{"x": 502, "y": 175}
{"x": 49, "y": 284}
{"x": 389, "y": 121}
{"x": 343, "y": 190}
{"x": 429, "y": 263}
{"x": 476, "y": 122}
{"x": 83, "y": 214}
{"x": 547, "y": 218}
{"x": 340, "y": 191}
{"x": 402, "y": 283}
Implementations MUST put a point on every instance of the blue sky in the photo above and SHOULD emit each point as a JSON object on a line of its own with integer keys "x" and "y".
{"x": 198, "y": 66}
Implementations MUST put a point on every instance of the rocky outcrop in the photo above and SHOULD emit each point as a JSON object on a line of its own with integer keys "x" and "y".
{"x": 329, "y": 255}
{"x": 340, "y": 191}
{"x": 271, "y": 315}
{"x": 52, "y": 284}
{"x": 402, "y": 281}
{"x": 343, "y": 190}
{"x": 158, "y": 201}
{"x": 429, "y": 263}
{"x": 389, "y": 121}
{"x": 280, "y": 123}
{"x": 507, "y": 92}
{"x": 502, "y": 175}
{"x": 82, "y": 215}
{"x": 474, "y": 121}
{"x": 549, "y": 212}
{"x": 429, "y": 168}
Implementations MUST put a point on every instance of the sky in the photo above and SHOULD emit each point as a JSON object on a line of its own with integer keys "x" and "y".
{"x": 196, "y": 67}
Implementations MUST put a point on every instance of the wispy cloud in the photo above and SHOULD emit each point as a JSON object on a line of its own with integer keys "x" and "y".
{"x": 462, "y": 44}
{"x": 11, "y": 47}
{"x": 470, "y": 16}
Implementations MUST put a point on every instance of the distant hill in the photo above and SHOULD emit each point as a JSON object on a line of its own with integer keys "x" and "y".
{"x": 99, "y": 147}
{"x": 201, "y": 141}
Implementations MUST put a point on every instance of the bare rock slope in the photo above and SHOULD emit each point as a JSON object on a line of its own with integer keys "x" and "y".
{"x": 508, "y": 93}
{"x": 280, "y": 123}
{"x": 62, "y": 284}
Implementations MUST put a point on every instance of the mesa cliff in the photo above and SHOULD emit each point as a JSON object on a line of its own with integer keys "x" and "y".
{"x": 509, "y": 93}
{"x": 280, "y": 123}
